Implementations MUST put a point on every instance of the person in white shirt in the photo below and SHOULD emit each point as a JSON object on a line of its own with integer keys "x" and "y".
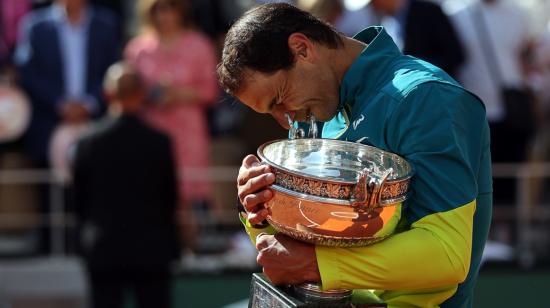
{"x": 496, "y": 35}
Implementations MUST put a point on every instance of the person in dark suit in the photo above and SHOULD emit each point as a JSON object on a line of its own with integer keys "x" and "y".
{"x": 125, "y": 199}
{"x": 426, "y": 32}
{"x": 61, "y": 57}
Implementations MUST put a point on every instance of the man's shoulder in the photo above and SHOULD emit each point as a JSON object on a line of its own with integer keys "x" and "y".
{"x": 96, "y": 130}
{"x": 130, "y": 131}
{"x": 156, "y": 134}
{"x": 39, "y": 18}
{"x": 418, "y": 85}
{"x": 410, "y": 72}
{"x": 142, "y": 132}
{"x": 104, "y": 17}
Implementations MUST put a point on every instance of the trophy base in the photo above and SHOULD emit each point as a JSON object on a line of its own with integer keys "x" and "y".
{"x": 263, "y": 294}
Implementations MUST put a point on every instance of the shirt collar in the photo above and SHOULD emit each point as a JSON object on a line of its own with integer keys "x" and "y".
{"x": 370, "y": 68}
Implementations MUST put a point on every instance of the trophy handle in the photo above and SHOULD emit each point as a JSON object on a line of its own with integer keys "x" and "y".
{"x": 299, "y": 133}
{"x": 368, "y": 190}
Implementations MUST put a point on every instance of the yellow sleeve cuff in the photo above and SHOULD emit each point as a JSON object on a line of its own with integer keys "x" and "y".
{"x": 328, "y": 268}
{"x": 253, "y": 232}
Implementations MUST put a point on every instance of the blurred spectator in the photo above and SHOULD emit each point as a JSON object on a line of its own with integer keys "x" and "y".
{"x": 37, "y": 4}
{"x": 15, "y": 198}
{"x": 62, "y": 145}
{"x": 496, "y": 35}
{"x": 63, "y": 52}
{"x": 539, "y": 15}
{"x": 214, "y": 17}
{"x": 352, "y": 22}
{"x": 422, "y": 30}
{"x": 178, "y": 64}
{"x": 126, "y": 13}
{"x": 327, "y": 10}
{"x": 539, "y": 80}
{"x": 125, "y": 196}
{"x": 540, "y": 73}
{"x": 11, "y": 12}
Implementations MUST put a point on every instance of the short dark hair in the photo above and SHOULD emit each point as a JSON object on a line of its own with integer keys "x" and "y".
{"x": 259, "y": 41}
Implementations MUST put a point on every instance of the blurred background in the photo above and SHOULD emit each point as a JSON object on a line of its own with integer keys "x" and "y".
{"x": 54, "y": 58}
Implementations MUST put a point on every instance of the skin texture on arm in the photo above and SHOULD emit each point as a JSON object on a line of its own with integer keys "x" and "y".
{"x": 284, "y": 260}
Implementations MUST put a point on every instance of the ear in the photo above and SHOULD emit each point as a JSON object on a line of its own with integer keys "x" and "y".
{"x": 302, "y": 47}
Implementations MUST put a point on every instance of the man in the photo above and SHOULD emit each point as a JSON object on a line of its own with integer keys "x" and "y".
{"x": 125, "y": 198}
{"x": 497, "y": 36}
{"x": 420, "y": 29}
{"x": 62, "y": 55}
{"x": 424, "y": 30}
{"x": 278, "y": 59}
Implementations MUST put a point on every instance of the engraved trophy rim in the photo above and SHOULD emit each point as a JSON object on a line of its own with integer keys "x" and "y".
{"x": 335, "y": 142}
{"x": 392, "y": 186}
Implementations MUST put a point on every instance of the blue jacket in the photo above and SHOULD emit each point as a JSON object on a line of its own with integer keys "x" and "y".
{"x": 39, "y": 61}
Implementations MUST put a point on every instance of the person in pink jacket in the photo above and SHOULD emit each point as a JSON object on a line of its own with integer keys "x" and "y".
{"x": 178, "y": 63}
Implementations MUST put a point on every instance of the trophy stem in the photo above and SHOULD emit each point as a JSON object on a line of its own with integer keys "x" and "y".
{"x": 312, "y": 293}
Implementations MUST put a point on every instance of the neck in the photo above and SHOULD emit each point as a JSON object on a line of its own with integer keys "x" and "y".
{"x": 118, "y": 108}
{"x": 346, "y": 56}
{"x": 168, "y": 36}
{"x": 74, "y": 14}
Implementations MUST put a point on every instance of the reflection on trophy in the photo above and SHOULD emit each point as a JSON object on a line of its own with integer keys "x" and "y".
{"x": 332, "y": 193}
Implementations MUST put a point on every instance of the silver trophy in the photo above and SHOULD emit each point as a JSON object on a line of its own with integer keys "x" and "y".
{"x": 333, "y": 193}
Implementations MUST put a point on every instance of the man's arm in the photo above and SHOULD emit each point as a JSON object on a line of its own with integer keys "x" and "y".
{"x": 441, "y": 136}
{"x": 80, "y": 170}
{"x": 435, "y": 252}
{"x": 32, "y": 79}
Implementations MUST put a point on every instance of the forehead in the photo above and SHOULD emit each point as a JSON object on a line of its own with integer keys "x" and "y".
{"x": 259, "y": 89}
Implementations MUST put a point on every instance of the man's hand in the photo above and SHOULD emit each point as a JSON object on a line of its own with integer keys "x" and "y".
{"x": 251, "y": 184}
{"x": 287, "y": 261}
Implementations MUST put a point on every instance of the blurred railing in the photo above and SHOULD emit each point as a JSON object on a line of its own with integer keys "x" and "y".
{"x": 56, "y": 218}
{"x": 528, "y": 206}
{"x": 526, "y": 210}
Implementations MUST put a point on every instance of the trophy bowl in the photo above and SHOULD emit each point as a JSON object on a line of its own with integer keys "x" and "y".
{"x": 335, "y": 193}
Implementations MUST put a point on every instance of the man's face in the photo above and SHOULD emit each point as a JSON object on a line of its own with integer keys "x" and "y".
{"x": 389, "y": 7}
{"x": 306, "y": 88}
{"x": 73, "y": 4}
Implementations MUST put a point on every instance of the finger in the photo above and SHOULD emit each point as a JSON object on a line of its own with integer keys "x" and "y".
{"x": 250, "y": 161}
{"x": 262, "y": 241}
{"x": 246, "y": 174}
{"x": 251, "y": 201}
{"x": 258, "y": 216}
{"x": 255, "y": 184}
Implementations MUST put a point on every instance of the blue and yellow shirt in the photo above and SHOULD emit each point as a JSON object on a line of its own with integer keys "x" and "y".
{"x": 409, "y": 107}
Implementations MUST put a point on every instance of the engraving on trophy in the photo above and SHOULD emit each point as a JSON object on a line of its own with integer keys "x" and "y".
{"x": 333, "y": 193}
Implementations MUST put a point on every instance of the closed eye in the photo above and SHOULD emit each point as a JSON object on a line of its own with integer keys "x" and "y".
{"x": 274, "y": 102}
